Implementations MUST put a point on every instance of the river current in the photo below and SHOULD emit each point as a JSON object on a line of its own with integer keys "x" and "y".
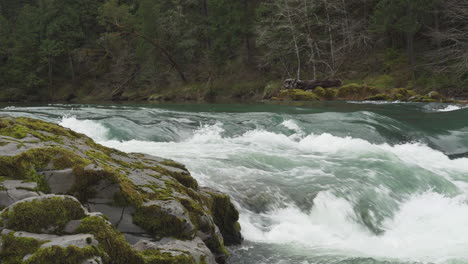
{"x": 335, "y": 182}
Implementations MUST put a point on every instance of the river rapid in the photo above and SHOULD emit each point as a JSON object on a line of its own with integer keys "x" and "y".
{"x": 334, "y": 182}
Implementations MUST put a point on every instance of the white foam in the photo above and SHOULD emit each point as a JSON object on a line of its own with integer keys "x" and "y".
{"x": 92, "y": 129}
{"x": 428, "y": 227}
{"x": 376, "y": 102}
{"x": 450, "y": 108}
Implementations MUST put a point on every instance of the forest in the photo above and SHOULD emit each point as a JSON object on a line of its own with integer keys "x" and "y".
{"x": 62, "y": 50}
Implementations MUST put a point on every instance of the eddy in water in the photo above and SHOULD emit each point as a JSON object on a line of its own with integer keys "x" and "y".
{"x": 334, "y": 183}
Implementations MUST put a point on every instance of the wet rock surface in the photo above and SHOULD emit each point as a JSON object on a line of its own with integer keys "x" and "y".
{"x": 64, "y": 195}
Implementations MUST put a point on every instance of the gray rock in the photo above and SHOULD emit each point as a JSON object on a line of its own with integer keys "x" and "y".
{"x": 194, "y": 247}
{"x": 79, "y": 240}
{"x": 60, "y": 181}
{"x": 142, "y": 178}
{"x": 40, "y": 237}
{"x": 105, "y": 192}
{"x": 71, "y": 226}
{"x": 15, "y": 184}
{"x": 135, "y": 238}
{"x": 16, "y": 190}
{"x": 114, "y": 213}
{"x": 174, "y": 208}
{"x": 5, "y": 199}
{"x": 126, "y": 225}
{"x": 173, "y": 169}
{"x": 96, "y": 260}
{"x": 120, "y": 217}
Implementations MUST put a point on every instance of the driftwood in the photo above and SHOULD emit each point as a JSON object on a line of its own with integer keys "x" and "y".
{"x": 310, "y": 84}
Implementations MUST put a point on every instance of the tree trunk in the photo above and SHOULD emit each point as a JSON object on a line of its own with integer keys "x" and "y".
{"x": 206, "y": 15}
{"x": 310, "y": 84}
{"x": 410, "y": 49}
{"x": 296, "y": 47}
{"x": 410, "y": 39}
{"x": 332, "y": 47}
{"x": 72, "y": 69}
{"x": 49, "y": 62}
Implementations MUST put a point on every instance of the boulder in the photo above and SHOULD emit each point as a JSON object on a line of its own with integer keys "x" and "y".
{"x": 195, "y": 248}
{"x": 118, "y": 198}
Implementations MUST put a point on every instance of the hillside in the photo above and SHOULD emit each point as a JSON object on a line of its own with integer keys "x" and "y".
{"x": 169, "y": 50}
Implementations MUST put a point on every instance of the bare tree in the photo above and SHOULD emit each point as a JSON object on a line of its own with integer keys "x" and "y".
{"x": 318, "y": 34}
{"x": 451, "y": 38}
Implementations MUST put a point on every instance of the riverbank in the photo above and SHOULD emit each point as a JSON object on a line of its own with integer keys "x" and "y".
{"x": 241, "y": 92}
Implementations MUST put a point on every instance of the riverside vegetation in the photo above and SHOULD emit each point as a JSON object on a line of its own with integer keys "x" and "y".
{"x": 169, "y": 50}
{"x": 66, "y": 199}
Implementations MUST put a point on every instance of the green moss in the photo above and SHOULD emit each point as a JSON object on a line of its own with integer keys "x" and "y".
{"x": 85, "y": 179}
{"x": 111, "y": 240}
{"x": 68, "y": 255}
{"x": 160, "y": 224}
{"x": 183, "y": 177}
{"x": 156, "y": 257}
{"x": 162, "y": 194}
{"x": 36, "y": 215}
{"x": 271, "y": 89}
{"x": 226, "y": 216}
{"x": 379, "y": 97}
{"x": 330, "y": 93}
{"x": 22, "y": 127}
{"x": 320, "y": 91}
{"x": 301, "y": 95}
{"x": 130, "y": 192}
{"x": 174, "y": 164}
{"x": 3, "y": 178}
{"x": 356, "y": 91}
{"x": 15, "y": 248}
{"x": 26, "y": 164}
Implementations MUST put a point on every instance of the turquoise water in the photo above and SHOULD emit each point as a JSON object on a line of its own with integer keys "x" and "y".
{"x": 335, "y": 182}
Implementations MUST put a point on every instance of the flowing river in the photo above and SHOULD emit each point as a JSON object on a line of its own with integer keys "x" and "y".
{"x": 335, "y": 182}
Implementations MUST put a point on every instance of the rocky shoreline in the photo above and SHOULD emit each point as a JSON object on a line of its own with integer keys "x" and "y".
{"x": 66, "y": 199}
{"x": 358, "y": 92}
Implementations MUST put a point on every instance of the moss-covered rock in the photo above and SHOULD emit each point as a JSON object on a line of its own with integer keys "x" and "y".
{"x": 144, "y": 197}
{"x": 65, "y": 255}
{"x": 110, "y": 239}
{"x": 43, "y": 214}
{"x": 225, "y": 216}
{"x": 379, "y": 97}
{"x": 297, "y": 95}
{"x": 354, "y": 91}
{"x": 319, "y": 91}
{"x": 14, "y": 249}
{"x": 330, "y": 93}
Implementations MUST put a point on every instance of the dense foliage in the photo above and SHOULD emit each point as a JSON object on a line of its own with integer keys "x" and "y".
{"x": 60, "y": 49}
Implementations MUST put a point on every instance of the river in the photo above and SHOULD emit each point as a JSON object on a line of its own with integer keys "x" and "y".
{"x": 333, "y": 182}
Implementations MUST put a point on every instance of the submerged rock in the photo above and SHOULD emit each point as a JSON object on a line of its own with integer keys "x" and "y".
{"x": 135, "y": 198}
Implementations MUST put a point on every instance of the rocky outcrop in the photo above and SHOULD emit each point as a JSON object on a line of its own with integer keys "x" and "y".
{"x": 354, "y": 91}
{"x": 64, "y": 195}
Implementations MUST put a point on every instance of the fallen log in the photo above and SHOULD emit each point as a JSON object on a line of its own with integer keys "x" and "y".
{"x": 310, "y": 84}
